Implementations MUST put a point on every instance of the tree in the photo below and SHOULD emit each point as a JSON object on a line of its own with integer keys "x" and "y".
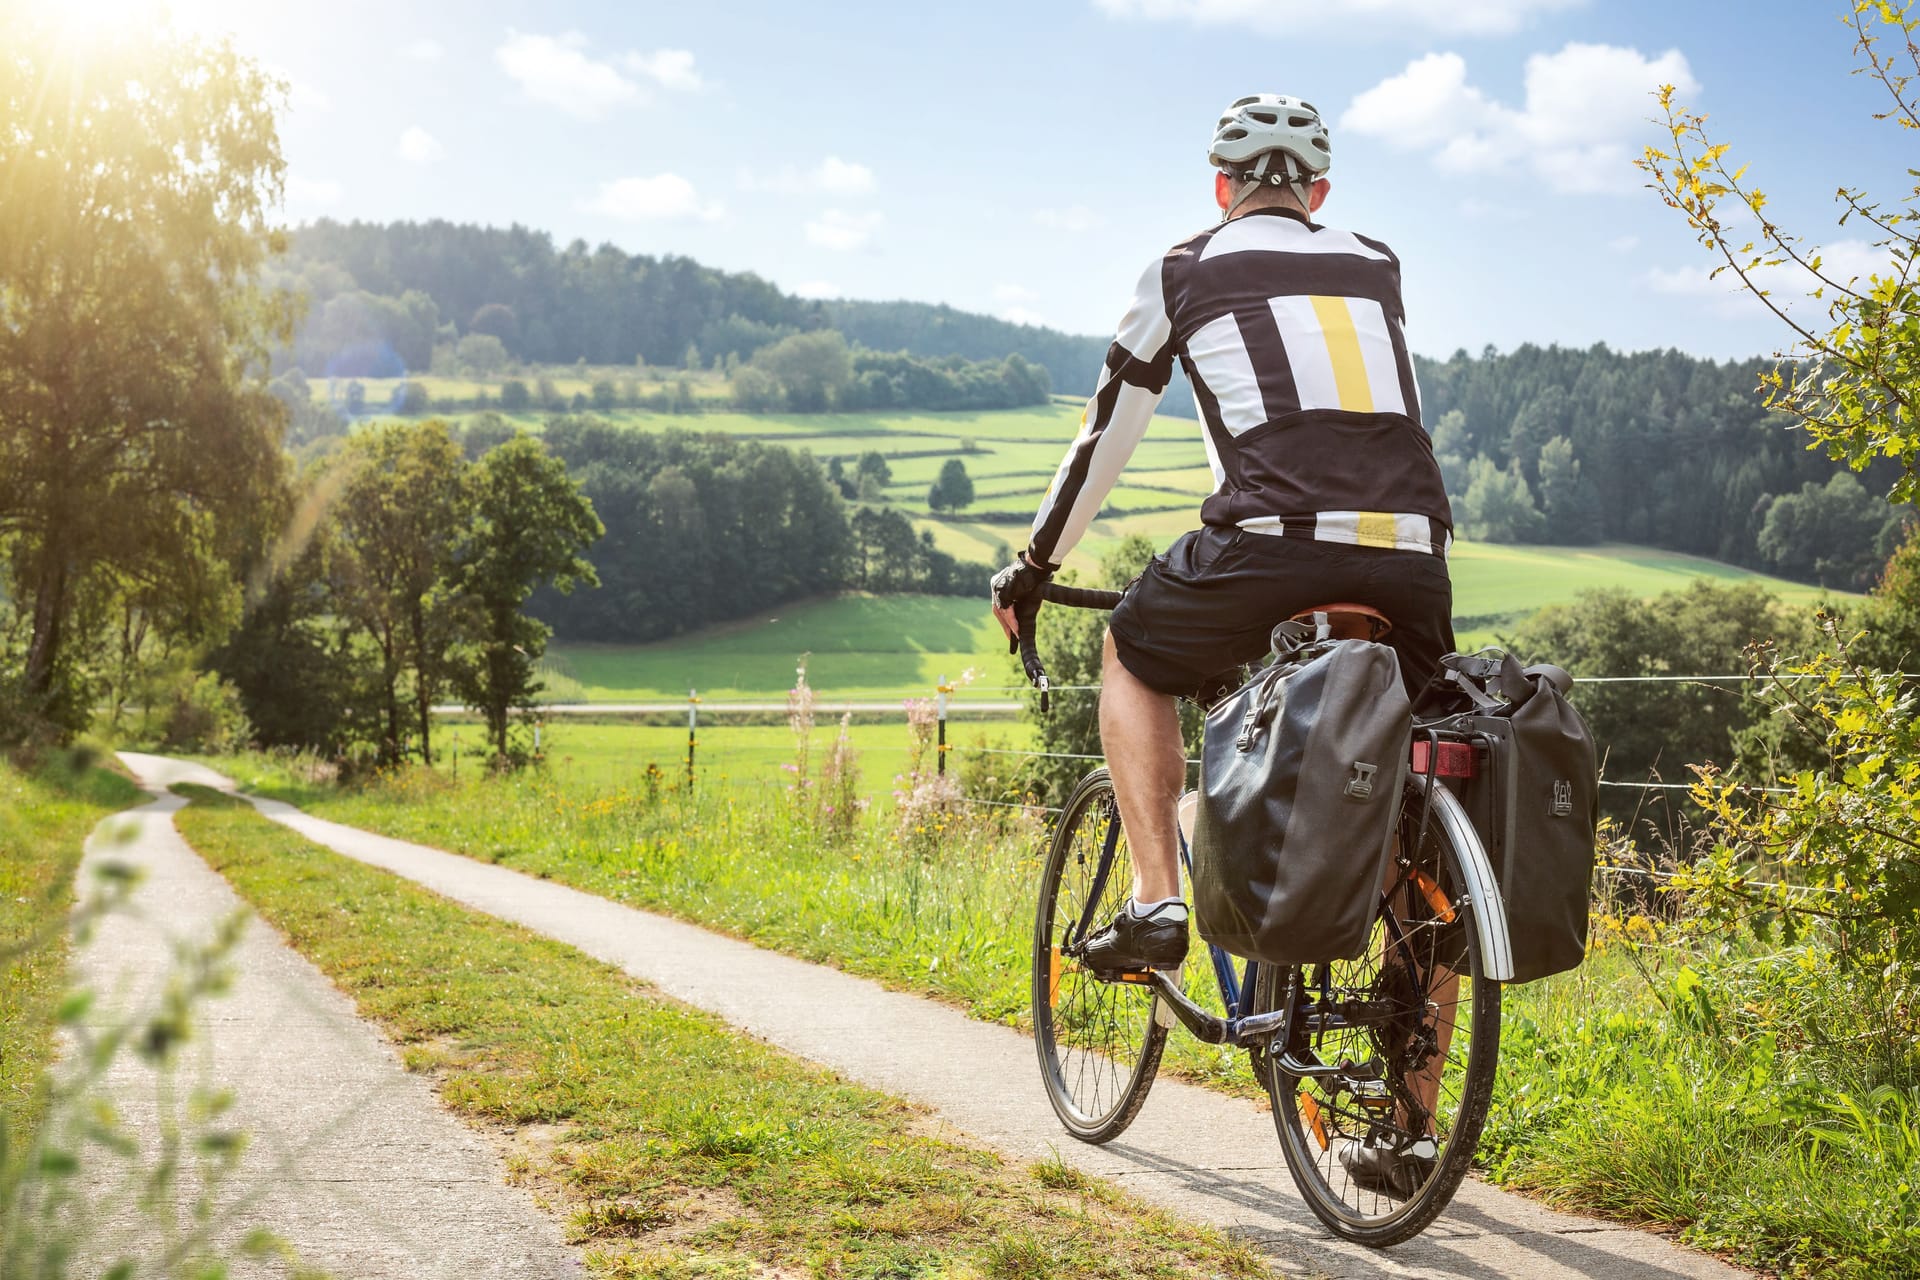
{"x": 402, "y": 509}
{"x": 137, "y": 437}
{"x": 813, "y": 369}
{"x": 514, "y": 396}
{"x": 1570, "y": 506}
{"x": 411, "y": 398}
{"x": 531, "y": 526}
{"x": 481, "y": 354}
{"x": 356, "y": 399}
{"x": 1703, "y": 629}
{"x": 1837, "y": 534}
{"x": 754, "y": 389}
{"x": 873, "y": 466}
{"x": 497, "y": 320}
{"x": 953, "y": 490}
{"x": 1498, "y": 505}
{"x": 604, "y": 397}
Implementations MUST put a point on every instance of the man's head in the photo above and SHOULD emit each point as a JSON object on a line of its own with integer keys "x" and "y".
{"x": 1271, "y": 150}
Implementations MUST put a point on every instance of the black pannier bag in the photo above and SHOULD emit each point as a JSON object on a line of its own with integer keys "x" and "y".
{"x": 1300, "y": 780}
{"x": 1535, "y": 799}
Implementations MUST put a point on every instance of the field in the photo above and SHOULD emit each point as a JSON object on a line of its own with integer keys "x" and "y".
{"x": 881, "y": 647}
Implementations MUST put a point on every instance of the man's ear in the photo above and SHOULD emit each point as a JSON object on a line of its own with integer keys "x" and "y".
{"x": 1318, "y": 196}
{"x": 1222, "y": 189}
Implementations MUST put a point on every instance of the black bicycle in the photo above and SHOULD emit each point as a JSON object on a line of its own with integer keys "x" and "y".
{"x": 1379, "y": 1069}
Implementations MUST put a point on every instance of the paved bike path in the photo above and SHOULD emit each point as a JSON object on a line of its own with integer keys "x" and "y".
{"x": 1205, "y": 1156}
{"x": 350, "y": 1159}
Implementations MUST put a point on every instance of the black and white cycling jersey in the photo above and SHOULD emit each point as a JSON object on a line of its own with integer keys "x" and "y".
{"x": 1290, "y": 333}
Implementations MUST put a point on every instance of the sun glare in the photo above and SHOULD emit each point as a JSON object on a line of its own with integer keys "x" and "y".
{"x": 80, "y": 19}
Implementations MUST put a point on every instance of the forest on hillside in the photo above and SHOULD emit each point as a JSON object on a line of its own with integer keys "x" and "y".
{"x": 1541, "y": 444}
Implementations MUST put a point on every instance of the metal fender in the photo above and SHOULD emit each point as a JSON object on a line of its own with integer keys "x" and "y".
{"x": 1496, "y": 949}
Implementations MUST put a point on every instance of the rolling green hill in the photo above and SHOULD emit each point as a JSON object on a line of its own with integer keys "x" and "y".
{"x": 884, "y": 647}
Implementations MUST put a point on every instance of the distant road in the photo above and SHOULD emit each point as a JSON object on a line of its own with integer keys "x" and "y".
{"x": 820, "y": 705}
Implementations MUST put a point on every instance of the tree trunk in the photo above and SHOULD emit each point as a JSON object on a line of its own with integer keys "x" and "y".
{"x": 49, "y": 629}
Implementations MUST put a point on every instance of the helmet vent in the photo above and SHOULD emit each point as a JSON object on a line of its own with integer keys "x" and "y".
{"x": 1296, "y": 122}
{"x": 1268, "y": 117}
{"x": 1308, "y": 106}
{"x": 1322, "y": 144}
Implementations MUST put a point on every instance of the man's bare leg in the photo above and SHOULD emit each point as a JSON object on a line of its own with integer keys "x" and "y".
{"x": 1140, "y": 733}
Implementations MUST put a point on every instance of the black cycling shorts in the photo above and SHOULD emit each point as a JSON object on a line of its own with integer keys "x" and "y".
{"x": 1208, "y": 606}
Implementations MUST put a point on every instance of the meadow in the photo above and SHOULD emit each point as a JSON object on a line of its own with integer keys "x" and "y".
{"x": 875, "y": 647}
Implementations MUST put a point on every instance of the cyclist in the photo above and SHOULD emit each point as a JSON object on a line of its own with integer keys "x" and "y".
{"x": 1326, "y": 488}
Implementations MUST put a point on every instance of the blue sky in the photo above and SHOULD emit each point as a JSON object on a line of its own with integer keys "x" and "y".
{"x": 1027, "y": 159}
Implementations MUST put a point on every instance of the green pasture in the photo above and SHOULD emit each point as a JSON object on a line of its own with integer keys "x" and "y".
{"x": 861, "y": 646}
{"x": 881, "y": 647}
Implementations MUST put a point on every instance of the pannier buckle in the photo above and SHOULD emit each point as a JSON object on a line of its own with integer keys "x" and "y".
{"x": 1562, "y": 798}
{"x": 1360, "y": 785}
{"x": 1249, "y": 728}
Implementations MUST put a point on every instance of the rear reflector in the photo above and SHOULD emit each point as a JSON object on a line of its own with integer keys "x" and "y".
{"x": 1456, "y": 758}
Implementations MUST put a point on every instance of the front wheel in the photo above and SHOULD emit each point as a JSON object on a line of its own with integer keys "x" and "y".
{"x": 1402, "y": 1043}
{"x": 1098, "y": 1039}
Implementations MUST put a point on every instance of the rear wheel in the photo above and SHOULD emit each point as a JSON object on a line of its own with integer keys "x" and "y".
{"x": 1408, "y": 1033}
{"x": 1098, "y": 1039}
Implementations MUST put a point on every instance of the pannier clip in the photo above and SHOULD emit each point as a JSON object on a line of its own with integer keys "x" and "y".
{"x": 1360, "y": 785}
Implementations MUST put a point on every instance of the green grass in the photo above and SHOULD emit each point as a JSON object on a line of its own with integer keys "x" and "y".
{"x": 45, "y": 816}
{"x": 1614, "y": 1097}
{"x": 877, "y": 647}
{"x": 614, "y": 754}
{"x": 862, "y": 647}
{"x": 676, "y": 1146}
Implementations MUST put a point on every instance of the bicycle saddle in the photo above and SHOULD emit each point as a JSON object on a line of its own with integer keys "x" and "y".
{"x": 1346, "y": 621}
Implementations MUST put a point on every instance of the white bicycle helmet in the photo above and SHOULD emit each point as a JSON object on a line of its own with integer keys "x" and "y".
{"x": 1270, "y": 138}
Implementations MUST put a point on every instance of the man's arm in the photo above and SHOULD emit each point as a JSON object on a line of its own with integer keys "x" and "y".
{"x": 1138, "y": 365}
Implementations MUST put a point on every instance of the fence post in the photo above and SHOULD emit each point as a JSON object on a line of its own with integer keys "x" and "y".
{"x": 940, "y": 754}
{"x": 693, "y": 724}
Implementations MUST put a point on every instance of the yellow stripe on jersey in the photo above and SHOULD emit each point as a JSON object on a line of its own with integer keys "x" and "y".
{"x": 1343, "y": 350}
{"x": 1377, "y": 529}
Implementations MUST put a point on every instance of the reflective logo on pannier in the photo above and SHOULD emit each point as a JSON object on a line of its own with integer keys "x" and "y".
{"x": 1562, "y": 798}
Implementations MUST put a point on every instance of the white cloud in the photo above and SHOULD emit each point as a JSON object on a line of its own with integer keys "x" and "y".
{"x": 1624, "y": 244}
{"x": 664, "y": 197}
{"x": 1363, "y": 17}
{"x": 312, "y": 193}
{"x": 556, "y": 70}
{"x": 1583, "y": 107}
{"x": 1074, "y": 218}
{"x": 417, "y": 146}
{"x": 832, "y": 176}
{"x": 425, "y": 49}
{"x": 1845, "y": 262}
{"x": 668, "y": 68}
{"x": 817, "y": 289}
{"x": 841, "y": 231}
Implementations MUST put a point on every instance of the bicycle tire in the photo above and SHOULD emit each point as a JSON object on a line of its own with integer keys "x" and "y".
{"x": 1307, "y": 1112}
{"x": 1099, "y": 1041}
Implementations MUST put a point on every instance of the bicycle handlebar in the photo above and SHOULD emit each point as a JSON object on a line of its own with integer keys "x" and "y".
{"x": 1073, "y": 598}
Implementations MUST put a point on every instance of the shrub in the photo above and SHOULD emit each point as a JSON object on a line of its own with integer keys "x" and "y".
{"x": 205, "y": 715}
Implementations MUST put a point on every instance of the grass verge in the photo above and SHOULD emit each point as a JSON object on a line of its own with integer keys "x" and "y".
{"x": 45, "y": 816}
{"x": 676, "y": 1146}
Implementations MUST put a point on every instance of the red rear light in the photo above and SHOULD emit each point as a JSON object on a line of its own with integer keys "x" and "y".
{"x": 1456, "y": 758}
